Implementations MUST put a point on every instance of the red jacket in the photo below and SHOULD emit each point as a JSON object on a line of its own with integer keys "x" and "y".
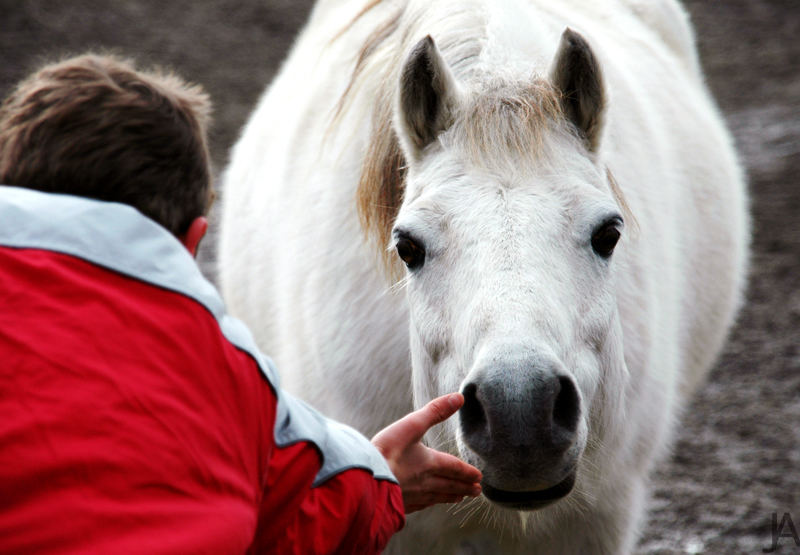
{"x": 137, "y": 417}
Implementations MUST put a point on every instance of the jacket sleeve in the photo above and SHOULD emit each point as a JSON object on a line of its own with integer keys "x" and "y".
{"x": 352, "y": 512}
{"x": 316, "y": 502}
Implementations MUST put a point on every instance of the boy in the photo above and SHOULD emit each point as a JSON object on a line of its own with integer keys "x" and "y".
{"x": 137, "y": 415}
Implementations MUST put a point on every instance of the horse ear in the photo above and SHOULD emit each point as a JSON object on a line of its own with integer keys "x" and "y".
{"x": 576, "y": 74}
{"x": 426, "y": 99}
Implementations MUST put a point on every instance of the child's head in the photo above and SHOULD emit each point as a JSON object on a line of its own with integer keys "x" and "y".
{"x": 94, "y": 126}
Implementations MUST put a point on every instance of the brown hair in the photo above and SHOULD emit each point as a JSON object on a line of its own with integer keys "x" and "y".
{"x": 94, "y": 126}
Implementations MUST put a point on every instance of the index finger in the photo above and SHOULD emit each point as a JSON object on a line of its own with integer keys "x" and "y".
{"x": 435, "y": 412}
{"x": 413, "y": 426}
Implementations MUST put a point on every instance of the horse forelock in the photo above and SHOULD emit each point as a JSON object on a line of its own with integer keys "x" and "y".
{"x": 506, "y": 123}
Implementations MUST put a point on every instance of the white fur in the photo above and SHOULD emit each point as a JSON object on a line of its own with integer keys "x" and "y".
{"x": 506, "y": 261}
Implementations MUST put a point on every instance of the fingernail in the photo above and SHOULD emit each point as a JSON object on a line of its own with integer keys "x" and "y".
{"x": 454, "y": 400}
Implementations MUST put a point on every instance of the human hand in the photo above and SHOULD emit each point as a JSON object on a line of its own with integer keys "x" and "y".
{"x": 426, "y": 476}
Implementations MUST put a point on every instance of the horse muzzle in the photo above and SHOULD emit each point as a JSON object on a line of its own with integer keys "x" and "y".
{"x": 521, "y": 419}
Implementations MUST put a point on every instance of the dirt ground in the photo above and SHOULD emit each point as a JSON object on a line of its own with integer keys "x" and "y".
{"x": 737, "y": 458}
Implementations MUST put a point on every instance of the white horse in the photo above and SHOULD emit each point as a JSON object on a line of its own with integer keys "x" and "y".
{"x": 569, "y": 209}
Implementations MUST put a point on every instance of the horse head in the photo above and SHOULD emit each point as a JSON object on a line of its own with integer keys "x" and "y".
{"x": 508, "y": 230}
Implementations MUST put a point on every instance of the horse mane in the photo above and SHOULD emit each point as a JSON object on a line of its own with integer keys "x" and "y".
{"x": 380, "y": 188}
{"x": 381, "y": 184}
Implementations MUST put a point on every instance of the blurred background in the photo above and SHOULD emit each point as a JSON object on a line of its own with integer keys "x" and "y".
{"x": 737, "y": 458}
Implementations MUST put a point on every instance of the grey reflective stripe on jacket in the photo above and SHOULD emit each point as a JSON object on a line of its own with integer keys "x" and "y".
{"x": 119, "y": 238}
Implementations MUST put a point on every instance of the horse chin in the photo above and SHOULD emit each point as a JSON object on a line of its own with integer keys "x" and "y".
{"x": 529, "y": 500}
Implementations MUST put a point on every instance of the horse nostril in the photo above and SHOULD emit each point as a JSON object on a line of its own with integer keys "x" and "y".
{"x": 473, "y": 417}
{"x": 566, "y": 408}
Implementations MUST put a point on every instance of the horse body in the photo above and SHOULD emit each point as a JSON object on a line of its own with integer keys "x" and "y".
{"x": 500, "y": 158}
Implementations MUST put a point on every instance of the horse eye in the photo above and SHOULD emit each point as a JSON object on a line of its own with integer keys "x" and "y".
{"x": 410, "y": 252}
{"x": 605, "y": 238}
